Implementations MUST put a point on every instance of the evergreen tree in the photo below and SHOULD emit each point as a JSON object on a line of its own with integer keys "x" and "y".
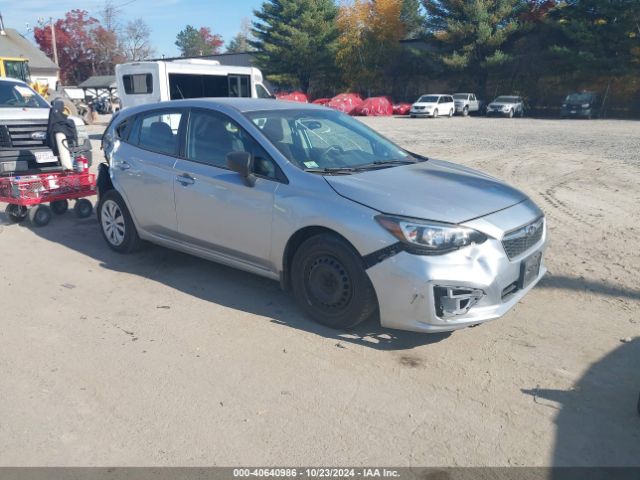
{"x": 411, "y": 18}
{"x": 470, "y": 34}
{"x": 193, "y": 42}
{"x": 296, "y": 40}
{"x": 597, "y": 37}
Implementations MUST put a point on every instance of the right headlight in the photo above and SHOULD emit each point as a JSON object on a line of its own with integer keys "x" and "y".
{"x": 425, "y": 237}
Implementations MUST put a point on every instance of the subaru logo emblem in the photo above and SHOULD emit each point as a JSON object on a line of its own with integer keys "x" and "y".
{"x": 39, "y": 136}
{"x": 531, "y": 230}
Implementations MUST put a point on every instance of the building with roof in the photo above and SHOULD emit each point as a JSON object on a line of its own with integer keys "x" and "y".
{"x": 14, "y": 45}
{"x": 100, "y": 86}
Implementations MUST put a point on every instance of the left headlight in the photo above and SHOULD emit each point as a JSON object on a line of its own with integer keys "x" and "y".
{"x": 424, "y": 237}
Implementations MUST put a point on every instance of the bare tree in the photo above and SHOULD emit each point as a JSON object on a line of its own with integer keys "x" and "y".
{"x": 109, "y": 14}
{"x": 136, "y": 40}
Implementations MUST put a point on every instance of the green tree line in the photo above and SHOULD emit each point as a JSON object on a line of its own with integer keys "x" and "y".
{"x": 392, "y": 47}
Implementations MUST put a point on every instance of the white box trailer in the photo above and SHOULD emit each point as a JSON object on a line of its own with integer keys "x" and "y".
{"x": 157, "y": 81}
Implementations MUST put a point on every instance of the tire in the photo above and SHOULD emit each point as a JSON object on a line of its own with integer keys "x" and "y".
{"x": 451, "y": 113}
{"x": 435, "y": 113}
{"x": 59, "y": 207}
{"x": 330, "y": 284}
{"x": 510, "y": 113}
{"x": 465, "y": 112}
{"x": 40, "y": 215}
{"x": 116, "y": 224}
{"x": 16, "y": 213}
{"x": 83, "y": 208}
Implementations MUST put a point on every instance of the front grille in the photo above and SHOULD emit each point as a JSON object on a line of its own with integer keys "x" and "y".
{"x": 20, "y": 133}
{"x": 5, "y": 138}
{"x": 518, "y": 241}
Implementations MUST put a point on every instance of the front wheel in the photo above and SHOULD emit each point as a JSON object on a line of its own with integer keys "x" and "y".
{"x": 451, "y": 113}
{"x": 116, "y": 223}
{"x": 435, "y": 113}
{"x": 330, "y": 283}
{"x": 465, "y": 112}
{"x": 40, "y": 215}
{"x": 511, "y": 113}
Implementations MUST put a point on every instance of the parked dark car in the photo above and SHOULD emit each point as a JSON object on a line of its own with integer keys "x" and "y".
{"x": 581, "y": 105}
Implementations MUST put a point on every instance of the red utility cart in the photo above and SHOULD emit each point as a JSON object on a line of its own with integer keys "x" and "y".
{"x": 28, "y": 194}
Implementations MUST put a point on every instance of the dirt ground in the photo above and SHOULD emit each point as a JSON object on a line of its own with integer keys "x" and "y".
{"x": 159, "y": 358}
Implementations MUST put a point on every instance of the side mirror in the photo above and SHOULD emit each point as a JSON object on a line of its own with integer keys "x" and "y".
{"x": 242, "y": 163}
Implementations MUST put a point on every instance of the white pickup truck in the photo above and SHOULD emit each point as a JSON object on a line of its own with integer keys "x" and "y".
{"x": 466, "y": 103}
{"x": 24, "y": 118}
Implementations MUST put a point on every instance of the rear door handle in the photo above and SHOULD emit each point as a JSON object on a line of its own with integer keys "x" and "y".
{"x": 124, "y": 166}
{"x": 185, "y": 179}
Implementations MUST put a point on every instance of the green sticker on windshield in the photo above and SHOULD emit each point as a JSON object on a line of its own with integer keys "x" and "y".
{"x": 310, "y": 164}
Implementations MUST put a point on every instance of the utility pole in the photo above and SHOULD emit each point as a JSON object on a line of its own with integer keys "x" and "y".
{"x": 54, "y": 45}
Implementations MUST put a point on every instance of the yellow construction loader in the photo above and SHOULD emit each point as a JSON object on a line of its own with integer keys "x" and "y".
{"x": 15, "y": 67}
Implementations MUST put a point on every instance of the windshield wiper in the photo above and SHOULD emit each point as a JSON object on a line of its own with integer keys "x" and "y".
{"x": 333, "y": 170}
{"x": 384, "y": 164}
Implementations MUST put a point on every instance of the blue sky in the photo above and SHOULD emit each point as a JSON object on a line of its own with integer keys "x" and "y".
{"x": 165, "y": 17}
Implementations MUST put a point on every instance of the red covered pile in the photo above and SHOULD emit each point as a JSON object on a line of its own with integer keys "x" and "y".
{"x": 345, "y": 102}
{"x": 401, "y": 109}
{"x": 374, "y": 107}
{"x": 293, "y": 97}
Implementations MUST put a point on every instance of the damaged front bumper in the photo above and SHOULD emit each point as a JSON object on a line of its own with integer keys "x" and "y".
{"x": 463, "y": 288}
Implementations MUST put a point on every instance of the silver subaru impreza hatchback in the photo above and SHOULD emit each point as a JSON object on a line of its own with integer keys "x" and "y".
{"x": 354, "y": 225}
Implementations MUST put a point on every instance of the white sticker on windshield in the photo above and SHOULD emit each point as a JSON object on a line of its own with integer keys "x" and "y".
{"x": 310, "y": 164}
{"x": 24, "y": 91}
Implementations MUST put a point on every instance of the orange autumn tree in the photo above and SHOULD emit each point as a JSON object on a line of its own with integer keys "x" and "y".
{"x": 370, "y": 32}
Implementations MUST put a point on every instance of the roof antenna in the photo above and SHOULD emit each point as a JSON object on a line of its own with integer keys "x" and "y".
{"x": 2, "y": 32}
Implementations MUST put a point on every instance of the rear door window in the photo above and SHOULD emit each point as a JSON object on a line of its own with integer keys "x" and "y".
{"x": 159, "y": 131}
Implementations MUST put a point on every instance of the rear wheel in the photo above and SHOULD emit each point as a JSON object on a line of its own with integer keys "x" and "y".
{"x": 511, "y": 113}
{"x": 116, "y": 223}
{"x": 330, "y": 283}
{"x": 40, "y": 215}
{"x": 451, "y": 113}
{"x": 465, "y": 112}
{"x": 59, "y": 207}
{"x": 16, "y": 213}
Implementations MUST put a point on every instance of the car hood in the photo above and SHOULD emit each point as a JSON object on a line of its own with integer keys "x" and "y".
{"x": 431, "y": 190}
{"x": 23, "y": 113}
{"x": 424, "y": 104}
{"x": 502, "y": 105}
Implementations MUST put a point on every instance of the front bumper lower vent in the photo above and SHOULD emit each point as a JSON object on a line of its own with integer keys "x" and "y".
{"x": 455, "y": 301}
{"x": 518, "y": 241}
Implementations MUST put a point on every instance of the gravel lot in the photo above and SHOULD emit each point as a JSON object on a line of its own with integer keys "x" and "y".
{"x": 162, "y": 359}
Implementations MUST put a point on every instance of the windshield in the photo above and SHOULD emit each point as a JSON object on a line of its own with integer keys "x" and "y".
{"x": 507, "y": 100}
{"x": 13, "y": 94}
{"x": 579, "y": 98}
{"x": 428, "y": 99}
{"x": 327, "y": 139}
{"x": 460, "y": 96}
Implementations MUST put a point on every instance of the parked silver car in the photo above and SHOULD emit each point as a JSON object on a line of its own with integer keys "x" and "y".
{"x": 354, "y": 225}
{"x": 507, "y": 106}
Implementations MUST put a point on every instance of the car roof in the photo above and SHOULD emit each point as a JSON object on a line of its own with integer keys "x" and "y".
{"x": 12, "y": 80}
{"x": 243, "y": 105}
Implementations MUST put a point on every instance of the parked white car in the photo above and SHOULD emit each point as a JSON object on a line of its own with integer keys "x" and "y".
{"x": 433, "y": 105}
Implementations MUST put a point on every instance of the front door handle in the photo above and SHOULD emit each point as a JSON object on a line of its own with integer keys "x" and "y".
{"x": 124, "y": 166}
{"x": 185, "y": 179}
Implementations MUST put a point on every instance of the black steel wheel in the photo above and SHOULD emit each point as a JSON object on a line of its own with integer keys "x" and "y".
{"x": 40, "y": 215}
{"x": 83, "y": 208}
{"x": 330, "y": 282}
{"x": 59, "y": 207}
